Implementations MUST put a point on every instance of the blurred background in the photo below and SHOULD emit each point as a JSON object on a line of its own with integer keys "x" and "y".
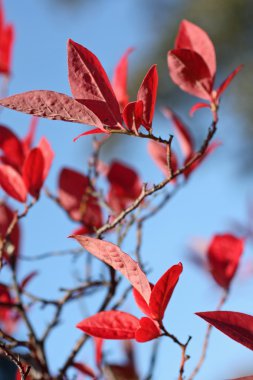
{"x": 216, "y": 198}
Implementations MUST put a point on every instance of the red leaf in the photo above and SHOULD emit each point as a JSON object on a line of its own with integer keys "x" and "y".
{"x": 12, "y": 148}
{"x": 48, "y": 155}
{"x": 119, "y": 81}
{"x": 125, "y": 187}
{"x": 28, "y": 140}
{"x": 11, "y": 251}
{"x": 183, "y": 135}
{"x": 12, "y": 183}
{"x": 158, "y": 151}
{"x": 98, "y": 351}
{"x": 190, "y": 72}
{"x": 227, "y": 81}
{"x": 244, "y": 378}
{"x": 148, "y": 330}
{"x": 163, "y": 290}
{"x": 90, "y": 84}
{"x": 86, "y": 370}
{"x": 147, "y": 93}
{"x": 75, "y": 196}
{"x": 110, "y": 325}
{"x": 192, "y": 37}
{"x": 237, "y": 326}
{"x": 132, "y": 115}
{"x": 6, "y": 44}
{"x": 27, "y": 280}
{"x": 91, "y": 132}
{"x": 33, "y": 171}
{"x": 52, "y": 105}
{"x": 198, "y": 106}
{"x": 120, "y": 261}
{"x": 224, "y": 253}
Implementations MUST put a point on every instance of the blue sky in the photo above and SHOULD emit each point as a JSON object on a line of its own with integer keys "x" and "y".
{"x": 213, "y": 196}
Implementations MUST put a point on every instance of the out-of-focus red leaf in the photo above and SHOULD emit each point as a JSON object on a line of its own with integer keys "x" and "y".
{"x": 52, "y": 105}
{"x": 244, "y": 378}
{"x": 28, "y": 140}
{"x": 211, "y": 148}
{"x": 224, "y": 253}
{"x": 132, "y": 115}
{"x": 237, "y": 326}
{"x": 110, "y": 325}
{"x": 119, "y": 80}
{"x": 158, "y": 152}
{"x": 112, "y": 255}
{"x": 163, "y": 290}
{"x": 12, "y": 183}
{"x": 75, "y": 196}
{"x": 6, "y": 44}
{"x": 85, "y": 369}
{"x": 91, "y": 132}
{"x": 183, "y": 135}
{"x": 148, "y": 330}
{"x": 197, "y": 107}
{"x": 190, "y": 72}
{"x": 227, "y": 81}
{"x": 125, "y": 186}
{"x": 147, "y": 93}
{"x": 33, "y": 171}
{"x": 11, "y": 146}
{"x": 98, "y": 351}
{"x": 8, "y": 316}
{"x": 48, "y": 155}
{"x": 27, "y": 279}
{"x": 90, "y": 84}
{"x": 11, "y": 251}
{"x": 192, "y": 37}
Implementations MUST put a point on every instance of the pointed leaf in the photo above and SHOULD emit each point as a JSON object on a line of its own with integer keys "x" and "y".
{"x": 110, "y": 325}
{"x": 48, "y": 155}
{"x": 192, "y": 37}
{"x": 33, "y": 172}
{"x": 11, "y": 146}
{"x": 183, "y": 135}
{"x": 132, "y": 115}
{"x": 90, "y": 84}
{"x": 189, "y": 71}
{"x": 163, "y": 290}
{"x": 27, "y": 279}
{"x": 12, "y": 183}
{"x": 141, "y": 303}
{"x": 52, "y": 105}
{"x": 197, "y": 107}
{"x": 91, "y": 132}
{"x": 117, "y": 259}
{"x": 86, "y": 370}
{"x": 147, "y": 93}
{"x": 148, "y": 330}
{"x": 28, "y": 140}
{"x": 119, "y": 81}
{"x": 237, "y": 326}
{"x": 227, "y": 81}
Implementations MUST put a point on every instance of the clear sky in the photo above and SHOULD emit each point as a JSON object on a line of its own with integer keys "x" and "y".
{"x": 213, "y": 197}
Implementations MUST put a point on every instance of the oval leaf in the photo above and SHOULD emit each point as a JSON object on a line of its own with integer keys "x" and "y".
{"x": 90, "y": 84}
{"x": 112, "y": 255}
{"x": 163, "y": 290}
{"x": 190, "y": 72}
{"x": 192, "y": 37}
{"x": 147, "y": 93}
{"x": 33, "y": 171}
{"x": 52, "y": 105}
{"x": 110, "y": 325}
{"x": 12, "y": 183}
{"x": 148, "y": 330}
